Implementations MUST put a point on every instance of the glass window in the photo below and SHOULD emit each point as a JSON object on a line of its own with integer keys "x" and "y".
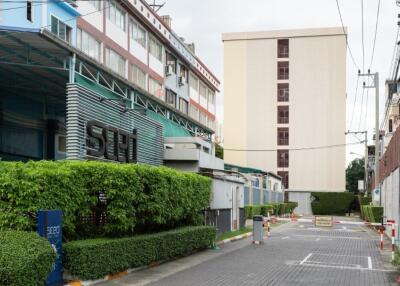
{"x": 183, "y": 73}
{"x": 60, "y": 29}
{"x": 115, "y": 62}
{"x": 171, "y": 98}
{"x": 283, "y": 70}
{"x": 203, "y": 91}
{"x": 183, "y": 106}
{"x": 283, "y": 158}
{"x": 211, "y": 97}
{"x": 203, "y": 119}
{"x": 285, "y": 178}
{"x": 283, "y": 114}
{"x": 29, "y": 10}
{"x": 283, "y": 92}
{"x": 116, "y": 15}
{"x": 88, "y": 44}
{"x": 194, "y": 112}
{"x": 138, "y": 76}
{"x": 155, "y": 88}
{"x": 155, "y": 49}
{"x": 95, "y": 3}
{"x": 138, "y": 34}
{"x": 283, "y": 136}
{"x": 194, "y": 82}
{"x": 171, "y": 61}
{"x": 283, "y": 48}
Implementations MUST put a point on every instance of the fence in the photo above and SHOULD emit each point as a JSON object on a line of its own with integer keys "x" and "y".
{"x": 258, "y": 196}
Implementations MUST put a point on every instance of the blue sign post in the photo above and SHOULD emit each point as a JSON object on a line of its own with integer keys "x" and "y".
{"x": 50, "y": 227}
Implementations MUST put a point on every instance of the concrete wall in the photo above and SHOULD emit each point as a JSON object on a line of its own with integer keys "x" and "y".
{"x": 317, "y": 104}
{"x": 391, "y": 200}
{"x": 304, "y": 202}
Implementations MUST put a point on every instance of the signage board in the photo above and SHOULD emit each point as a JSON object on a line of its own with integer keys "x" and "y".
{"x": 324, "y": 221}
{"x": 360, "y": 185}
{"x": 50, "y": 227}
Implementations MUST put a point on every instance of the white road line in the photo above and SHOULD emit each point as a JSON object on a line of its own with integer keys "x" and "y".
{"x": 285, "y": 237}
{"x": 369, "y": 262}
{"x": 301, "y": 226}
{"x": 318, "y": 239}
{"x": 306, "y": 258}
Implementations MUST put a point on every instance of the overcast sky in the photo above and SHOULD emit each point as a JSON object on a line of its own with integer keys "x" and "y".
{"x": 203, "y": 22}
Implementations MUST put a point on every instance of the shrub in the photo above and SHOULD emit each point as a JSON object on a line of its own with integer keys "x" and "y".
{"x": 329, "y": 203}
{"x": 363, "y": 201}
{"x": 248, "y": 212}
{"x": 372, "y": 213}
{"x": 100, "y": 199}
{"x": 273, "y": 208}
{"x": 95, "y": 258}
{"x": 25, "y": 258}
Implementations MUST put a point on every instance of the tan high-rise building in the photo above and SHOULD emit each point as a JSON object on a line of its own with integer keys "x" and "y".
{"x": 285, "y": 93}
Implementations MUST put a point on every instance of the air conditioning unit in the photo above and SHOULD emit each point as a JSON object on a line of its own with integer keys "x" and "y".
{"x": 168, "y": 70}
{"x": 181, "y": 80}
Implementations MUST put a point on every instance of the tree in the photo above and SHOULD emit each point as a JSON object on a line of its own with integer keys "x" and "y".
{"x": 219, "y": 151}
{"x": 354, "y": 172}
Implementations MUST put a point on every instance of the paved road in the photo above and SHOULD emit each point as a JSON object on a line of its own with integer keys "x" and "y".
{"x": 296, "y": 254}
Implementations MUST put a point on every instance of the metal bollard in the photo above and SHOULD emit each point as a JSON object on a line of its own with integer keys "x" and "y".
{"x": 258, "y": 230}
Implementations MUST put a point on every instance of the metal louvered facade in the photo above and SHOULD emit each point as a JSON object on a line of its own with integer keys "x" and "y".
{"x": 84, "y": 105}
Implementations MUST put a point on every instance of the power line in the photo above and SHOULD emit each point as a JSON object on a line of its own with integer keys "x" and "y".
{"x": 376, "y": 31}
{"x": 362, "y": 35}
{"x": 366, "y": 111}
{"x": 38, "y": 3}
{"x": 354, "y": 104}
{"x": 344, "y": 32}
{"x": 362, "y": 101}
{"x": 294, "y": 149}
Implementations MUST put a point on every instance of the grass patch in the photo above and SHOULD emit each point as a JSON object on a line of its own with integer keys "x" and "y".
{"x": 396, "y": 261}
{"x": 233, "y": 233}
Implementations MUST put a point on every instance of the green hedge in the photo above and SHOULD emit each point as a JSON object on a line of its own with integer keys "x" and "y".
{"x": 372, "y": 213}
{"x": 95, "y": 258}
{"x": 329, "y": 203}
{"x": 362, "y": 200}
{"x": 25, "y": 259}
{"x": 132, "y": 197}
{"x": 273, "y": 208}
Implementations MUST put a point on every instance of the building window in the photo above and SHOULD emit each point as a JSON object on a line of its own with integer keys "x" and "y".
{"x": 88, "y": 44}
{"x": 390, "y": 125}
{"x": 283, "y": 136}
{"x": 171, "y": 62}
{"x": 60, "y": 29}
{"x": 211, "y": 124}
{"x": 155, "y": 88}
{"x": 283, "y": 48}
{"x": 283, "y": 158}
{"x": 203, "y": 119}
{"x": 138, "y": 34}
{"x": 171, "y": 98}
{"x": 283, "y": 70}
{"x": 29, "y": 15}
{"x": 183, "y": 106}
{"x": 155, "y": 49}
{"x": 283, "y": 92}
{"x": 116, "y": 15}
{"x": 283, "y": 114}
{"x": 203, "y": 91}
{"x": 193, "y": 82}
{"x": 138, "y": 76}
{"x": 211, "y": 97}
{"x": 183, "y": 73}
{"x": 194, "y": 112}
{"x": 115, "y": 62}
{"x": 285, "y": 178}
{"x": 95, "y": 3}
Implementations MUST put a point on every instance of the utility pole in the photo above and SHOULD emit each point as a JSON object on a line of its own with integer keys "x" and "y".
{"x": 365, "y": 157}
{"x": 375, "y": 77}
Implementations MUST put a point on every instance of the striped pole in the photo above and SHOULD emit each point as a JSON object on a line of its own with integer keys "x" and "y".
{"x": 381, "y": 238}
{"x": 268, "y": 226}
{"x": 391, "y": 222}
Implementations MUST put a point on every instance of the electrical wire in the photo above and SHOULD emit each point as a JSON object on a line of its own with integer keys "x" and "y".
{"x": 366, "y": 111}
{"x": 362, "y": 102}
{"x": 344, "y": 32}
{"x": 376, "y": 32}
{"x": 294, "y": 149}
{"x": 354, "y": 104}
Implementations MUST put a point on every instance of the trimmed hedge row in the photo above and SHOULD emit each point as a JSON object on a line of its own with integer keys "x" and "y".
{"x": 95, "y": 258}
{"x": 362, "y": 201}
{"x": 101, "y": 199}
{"x": 25, "y": 258}
{"x": 372, "y": 213}
{"x": 273, "y": 208}
{"x": 329, "y": 203}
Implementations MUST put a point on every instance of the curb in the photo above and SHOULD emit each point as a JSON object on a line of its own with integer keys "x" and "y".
{"x": 235, "y": 238}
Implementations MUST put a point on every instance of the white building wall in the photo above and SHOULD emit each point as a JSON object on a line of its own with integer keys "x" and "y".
{"x": 391, "y": 200}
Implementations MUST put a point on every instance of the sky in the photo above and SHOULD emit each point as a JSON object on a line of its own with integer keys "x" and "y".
{"x": 204, "y": 21}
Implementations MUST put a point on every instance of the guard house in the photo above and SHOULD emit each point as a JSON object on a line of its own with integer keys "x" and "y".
{"x": 100, "y": 80}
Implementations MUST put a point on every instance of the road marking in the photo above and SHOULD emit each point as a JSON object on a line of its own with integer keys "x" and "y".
{"x": 301, "y": 226}
{"x": 318, "y": 239}
{"x": 306, "y": 258}
{"x": 285, "y": 237}
{"x": 327, "y": 236}
{"x": 369, "y": 262}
